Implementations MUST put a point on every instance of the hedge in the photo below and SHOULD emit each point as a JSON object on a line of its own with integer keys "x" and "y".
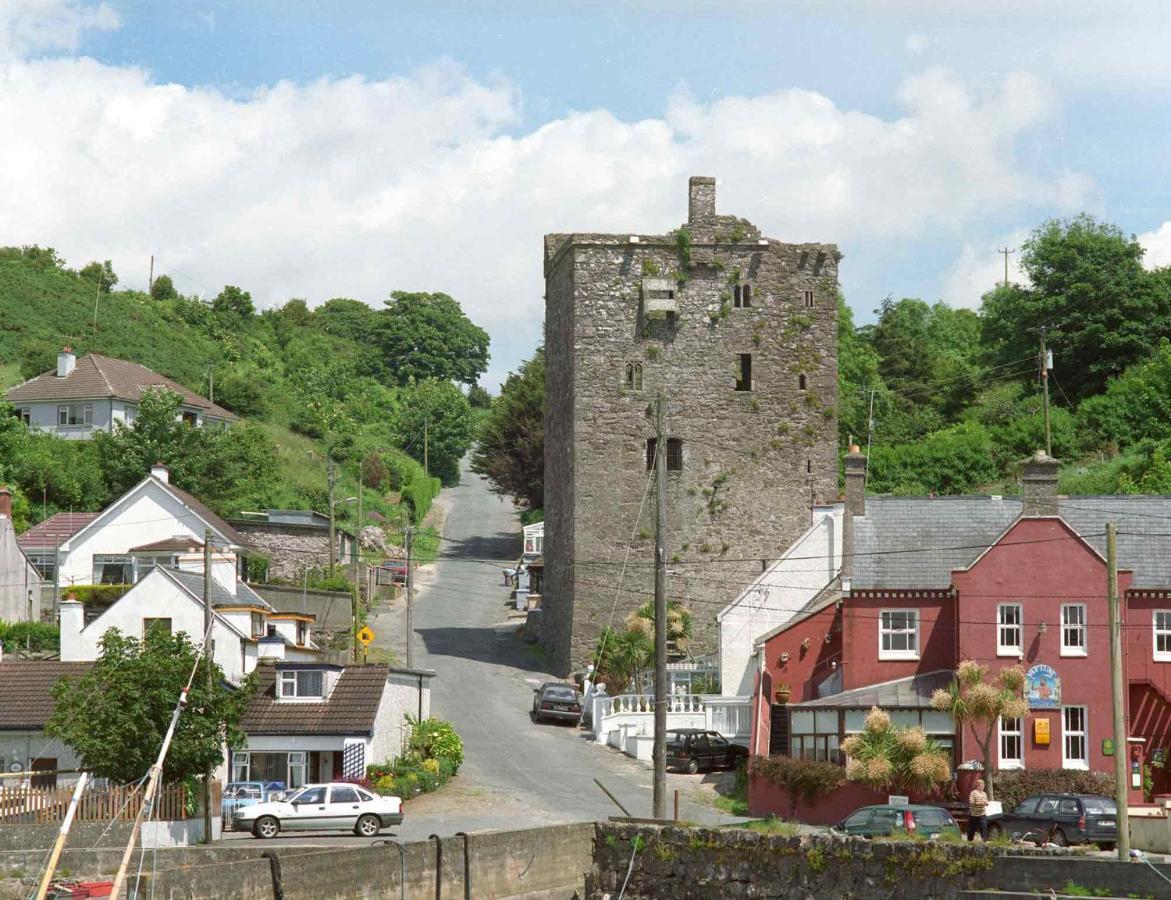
{"x": 406, "y": 475}
{"x": 102, "y": 595}
{"x": 1012, "y": 786}
{"x": 34, "y": 637}
{"x": 805, "y": 779}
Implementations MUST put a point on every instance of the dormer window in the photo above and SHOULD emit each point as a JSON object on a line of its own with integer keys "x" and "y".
{"x": 302, "y": 634}
{"x": 258, "y": 625}
{"x": 302, "y": 684}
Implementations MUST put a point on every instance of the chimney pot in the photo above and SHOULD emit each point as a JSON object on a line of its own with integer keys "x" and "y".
{"x": 855, "y": 464}
{"x": 66, "y": 362}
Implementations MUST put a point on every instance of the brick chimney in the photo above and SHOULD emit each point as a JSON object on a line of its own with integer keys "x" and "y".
{"x": 5, "y": 502}
{"x": 855, "y": 506}
{"x": 1039, "y": 482}
{"x": 66, "y": 362}
{"x": 701, "y": 200}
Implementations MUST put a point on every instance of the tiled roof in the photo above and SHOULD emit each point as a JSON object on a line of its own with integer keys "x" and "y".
{"x": 220, "y": 595}
{"x": 26, "y": 699}
{"x": 97, "y": 376}
{"x": 916, "y": 542}
{"x": 912, "y": 692}
{"x": 54, "y": 530}
{"x": 350, "y": 709}
{"x": 204, "y": 512}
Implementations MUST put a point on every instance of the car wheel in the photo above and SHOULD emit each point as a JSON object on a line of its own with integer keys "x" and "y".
{"x": 1059, "y": 838}
{"x": 367, "y": 826}
{"x": 692, "y": 766}
{"x": 266, "y": 827}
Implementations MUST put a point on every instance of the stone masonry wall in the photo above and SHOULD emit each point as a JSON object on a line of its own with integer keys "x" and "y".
{"x": 288, "y": 554}
{"x": 752, "y": 460}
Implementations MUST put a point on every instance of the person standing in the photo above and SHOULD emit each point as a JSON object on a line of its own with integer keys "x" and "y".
{"x": 978, "y": 811}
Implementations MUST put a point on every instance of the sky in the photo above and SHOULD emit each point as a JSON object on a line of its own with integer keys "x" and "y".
{"x": 355, "y": 147}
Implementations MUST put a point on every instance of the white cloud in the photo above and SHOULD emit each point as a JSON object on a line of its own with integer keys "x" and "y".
{"x": 1157, "y": 243}
{"x": 30, "y": 26}
{"x": 980, "y": 268}
{"x": 916, "y": 43}
{"x": 351, "y": 187}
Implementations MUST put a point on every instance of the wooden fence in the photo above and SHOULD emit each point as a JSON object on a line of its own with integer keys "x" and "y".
{"x": 25, "y": 805}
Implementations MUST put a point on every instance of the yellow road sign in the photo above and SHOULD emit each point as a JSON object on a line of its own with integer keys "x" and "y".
{"x": 366, "y": 636}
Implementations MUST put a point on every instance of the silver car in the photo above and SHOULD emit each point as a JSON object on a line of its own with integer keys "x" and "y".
{"x": 321, "y": 807}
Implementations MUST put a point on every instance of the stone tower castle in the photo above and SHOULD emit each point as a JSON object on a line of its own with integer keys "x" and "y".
{"x": 740, "y": 334}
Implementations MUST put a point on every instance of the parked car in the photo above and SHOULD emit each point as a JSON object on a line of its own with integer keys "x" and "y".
{"x": 238, "y": 794}
{"x": 692, "y": 749}
{"x": 889, "y": 819}
{"x": 1063, "y": 819}
{"x": 324, "y": 807}
{"x": 556, "y": 700}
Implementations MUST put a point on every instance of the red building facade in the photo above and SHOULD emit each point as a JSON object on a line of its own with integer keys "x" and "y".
{"x": 928, "y": 582}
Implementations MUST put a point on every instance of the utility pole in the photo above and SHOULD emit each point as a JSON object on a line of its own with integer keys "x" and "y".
{"x": 150, "y": 280}
{"x": 1119, "y": 697}
{"x": 211, "y": 383}
{"x": 426, "y": 467}
{"x": 408, "y": 536}
{"x": 208, "y": 684}
{"x": 1045, "y": 367}
{"x": 660, "y": 746}
{"x": 1005, "y": 252}
{"x": 330, "y": 479}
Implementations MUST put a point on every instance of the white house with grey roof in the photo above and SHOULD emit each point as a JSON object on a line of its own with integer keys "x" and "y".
{"x": 91, "y": 394}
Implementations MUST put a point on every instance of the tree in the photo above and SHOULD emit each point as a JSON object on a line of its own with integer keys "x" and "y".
{"x": 887, "y": 757}
{"x": 979, "y": 703}
{"x": 127, "y": 453}
{"x": 428, "y": 336}
{"x": 442, "y": 409}
{"x": 115, "y": 716}
{"x": 232, "y": 301}
{"x": 857, "y": 377}
{"x": 510, "y": 450}
{"x": 1103, "y": 310}
{"x": 163, "y": 288}
{"x": 100, "y": 274}
{"x": 479, "y": 398}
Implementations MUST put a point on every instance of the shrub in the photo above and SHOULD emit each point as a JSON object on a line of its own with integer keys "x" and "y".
{"x": 804, "y": 779}
{"x": 436, "y": 739}
{"x": 1014, "y": 785}
{"x": 97, "y": 595}
{"x": 32, "y": 636}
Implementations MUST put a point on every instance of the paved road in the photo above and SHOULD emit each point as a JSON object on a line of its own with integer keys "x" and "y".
{"x": 516, "y": 774}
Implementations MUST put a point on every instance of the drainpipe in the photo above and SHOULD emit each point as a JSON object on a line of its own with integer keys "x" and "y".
{"x": 420, "y": 677}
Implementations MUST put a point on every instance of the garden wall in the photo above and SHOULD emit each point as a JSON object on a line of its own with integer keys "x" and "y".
{"x": 766, "y": 798}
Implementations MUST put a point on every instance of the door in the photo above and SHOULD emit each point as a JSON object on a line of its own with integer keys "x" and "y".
{"x": 48, "y": 765}
{"x": 1020, "y": 820}
{"x": 701, "y": 750}
{"x": 858, "y": 822}
{"x": 309, "y": 812}
{"x": 344, "y": 807}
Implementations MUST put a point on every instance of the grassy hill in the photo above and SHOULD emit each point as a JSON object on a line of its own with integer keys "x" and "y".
{"x": 282, "y": 371}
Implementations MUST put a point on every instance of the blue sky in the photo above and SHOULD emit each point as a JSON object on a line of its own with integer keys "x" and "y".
{"x": 352, "y": 148}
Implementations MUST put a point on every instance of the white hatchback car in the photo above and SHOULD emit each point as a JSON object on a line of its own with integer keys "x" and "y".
{"x": 321, "y": 807}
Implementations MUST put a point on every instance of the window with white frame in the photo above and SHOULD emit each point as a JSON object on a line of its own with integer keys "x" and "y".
{"x": 113, "y": 569}
{"x": 898, "y": 634}
{"x": 75, "y": 414}
{"x": 298, "y": 770}
{"x": 25, "y": 414}
{"x": 302, "y": 684}
{"x": 1074, "y": 741}
{"x": 1012, "y": 745}
{"x": 1073, "y": 629}
{"x": 1162, "y": 626}
{"x": 1008, "y": 629}
{"x": 240, "y": 766}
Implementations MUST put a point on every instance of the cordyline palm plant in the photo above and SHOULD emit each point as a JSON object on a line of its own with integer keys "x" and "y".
{"x": 884, "y": 756}
{"x": 979, "y": 703}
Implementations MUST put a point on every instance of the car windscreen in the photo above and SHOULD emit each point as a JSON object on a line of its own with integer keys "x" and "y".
{"x": 560, "y": 694}
{"x": 1099, "y": 805}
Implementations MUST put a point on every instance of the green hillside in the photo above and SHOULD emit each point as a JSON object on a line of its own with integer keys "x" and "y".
{"x": 345, "y": 381}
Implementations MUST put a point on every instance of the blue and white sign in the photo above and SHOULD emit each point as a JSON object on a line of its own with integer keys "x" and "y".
{"x": 1042, "y": 688}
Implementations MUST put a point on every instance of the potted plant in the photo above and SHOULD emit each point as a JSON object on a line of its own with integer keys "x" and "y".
{"x": 782, "y": 693}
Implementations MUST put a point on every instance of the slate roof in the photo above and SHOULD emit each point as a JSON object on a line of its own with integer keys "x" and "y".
{"x": 96, "y": 376}
{"x": 204, "y": 512}
{"x": 916, "y": 542}
{"x": 350, "y": 709}
{"x": 220, "y": 595}
{"x": 54, "y": 530}
{"x": 26, "y": 701}
{"x": 904, "y": 693}
{"x": 181, "y": 542}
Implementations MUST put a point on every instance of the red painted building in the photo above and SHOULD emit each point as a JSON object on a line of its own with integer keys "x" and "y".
{"x": 927, "y": 582}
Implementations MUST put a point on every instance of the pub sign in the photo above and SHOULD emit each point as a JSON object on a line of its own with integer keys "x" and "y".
{"x": 1042, "y": 688}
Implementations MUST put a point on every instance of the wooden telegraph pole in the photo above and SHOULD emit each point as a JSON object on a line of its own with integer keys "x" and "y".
{"x": 408, "y": 537}
{"x": 659, "y": 752}
{"x": 1121, "y": 746}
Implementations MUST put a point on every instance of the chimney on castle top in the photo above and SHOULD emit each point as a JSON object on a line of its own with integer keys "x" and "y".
{"x": 701, "y": 199}
{"x": 5, "y": 502}
{"x": 1039, "y": 485}
{"x": 161, "y": 472}
{"x": 66, "y": 362}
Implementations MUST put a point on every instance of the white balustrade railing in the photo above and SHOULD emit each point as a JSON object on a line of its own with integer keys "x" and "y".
{"x": 730, "y": 716}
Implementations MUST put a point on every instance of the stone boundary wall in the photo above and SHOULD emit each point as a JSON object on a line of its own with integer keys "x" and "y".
{"x": 332, "y": 608}
{"x": 683, "y": 863}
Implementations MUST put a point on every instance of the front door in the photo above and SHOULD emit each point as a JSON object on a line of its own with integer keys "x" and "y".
{"x": 309, "y": 812}
{"x": 48, "y": 765}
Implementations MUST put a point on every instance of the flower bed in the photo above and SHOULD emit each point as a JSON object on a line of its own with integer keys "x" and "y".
{"x": 434, "y": 754}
